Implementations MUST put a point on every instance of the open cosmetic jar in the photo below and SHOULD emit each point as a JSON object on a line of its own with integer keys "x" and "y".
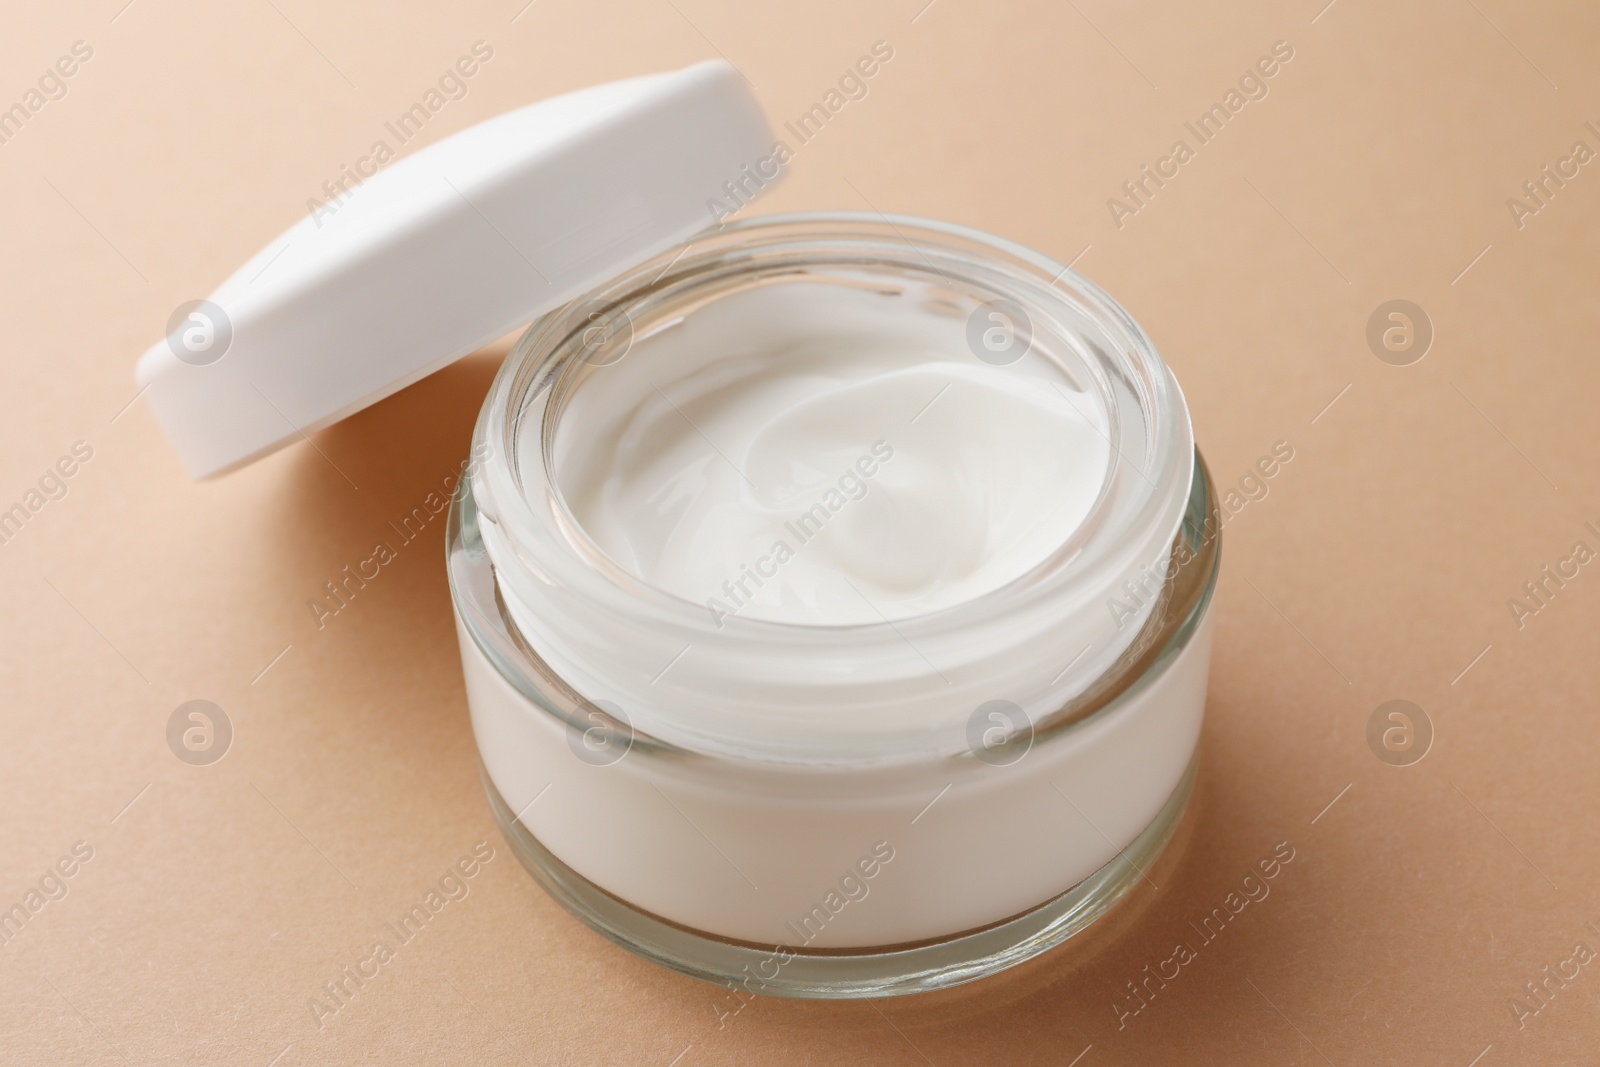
{"x": 832, "y": 589}
{"x": 851, "y": 793}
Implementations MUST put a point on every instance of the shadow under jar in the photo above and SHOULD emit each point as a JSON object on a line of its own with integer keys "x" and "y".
{"x": 941, "y": 731}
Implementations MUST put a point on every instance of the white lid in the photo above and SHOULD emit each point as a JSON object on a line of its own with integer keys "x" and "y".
{"x": 445, "y": 250}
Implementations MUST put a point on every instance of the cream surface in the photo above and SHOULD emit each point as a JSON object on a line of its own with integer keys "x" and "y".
{"x": 840, "y": 479}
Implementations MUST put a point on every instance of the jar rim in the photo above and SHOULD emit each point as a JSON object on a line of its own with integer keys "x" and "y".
{"x": 545, "y": 548}
{"x": 1182, "y": 611}
{"x": 580, "y": 312}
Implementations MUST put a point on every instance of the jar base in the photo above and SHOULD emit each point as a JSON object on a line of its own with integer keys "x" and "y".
{"x": 894, "y": 970}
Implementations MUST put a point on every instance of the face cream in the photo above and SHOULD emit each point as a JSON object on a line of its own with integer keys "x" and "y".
{"x": 832, "y": 590}
{"x": 825, "y": 416}
{"x": 787, "y": 576}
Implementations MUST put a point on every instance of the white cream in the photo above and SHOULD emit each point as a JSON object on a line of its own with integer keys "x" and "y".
{"x": 847, "y": 481}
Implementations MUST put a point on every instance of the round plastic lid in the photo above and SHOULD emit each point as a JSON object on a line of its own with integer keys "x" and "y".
{"x": 445, "y": 250}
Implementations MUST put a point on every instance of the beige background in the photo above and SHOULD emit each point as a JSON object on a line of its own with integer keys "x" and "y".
{"x": 219, "y": 899}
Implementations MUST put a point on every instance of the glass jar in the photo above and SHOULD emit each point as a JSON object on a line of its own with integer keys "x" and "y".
{"x": 849, "y": 809}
